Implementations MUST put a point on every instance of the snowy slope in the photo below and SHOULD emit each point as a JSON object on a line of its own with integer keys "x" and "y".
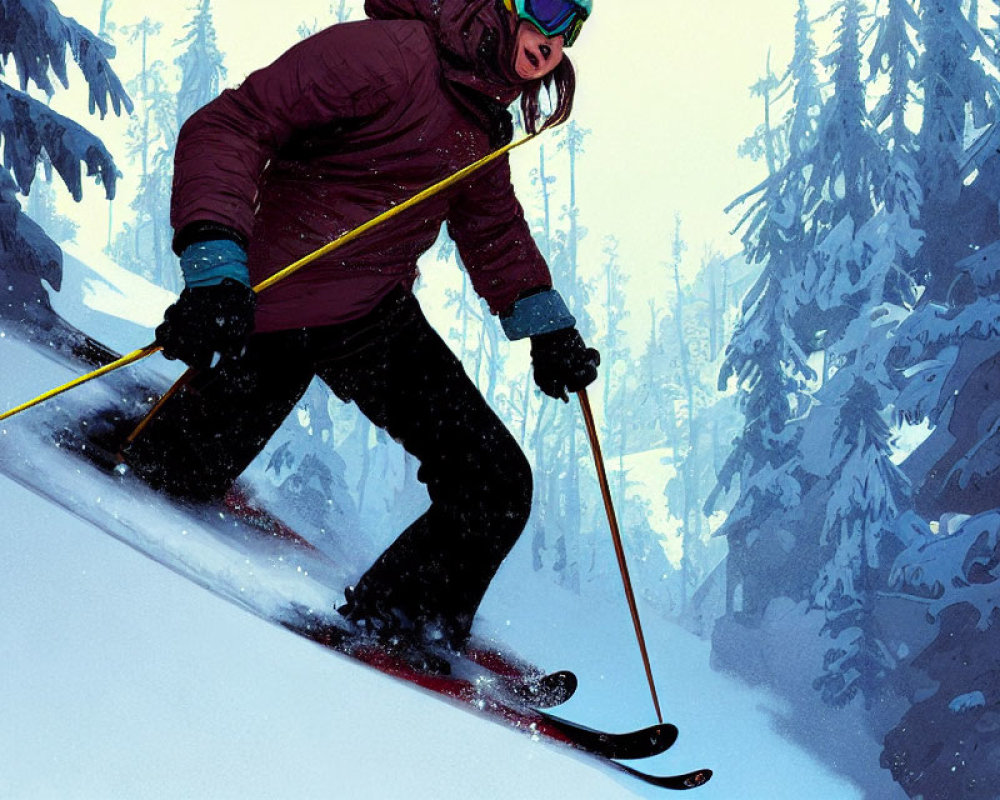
{"x": 120, "y": 679}
{"x": 98, "y": 295}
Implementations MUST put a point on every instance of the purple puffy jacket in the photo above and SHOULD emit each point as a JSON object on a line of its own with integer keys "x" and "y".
{"x": 345, "y": 125}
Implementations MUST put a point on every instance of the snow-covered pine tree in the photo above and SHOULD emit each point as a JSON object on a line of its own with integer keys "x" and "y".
{"x": 960, "y": 98}
{"x": 651, "y": 571}
{"x": 846, "y": 176}
{"x": 202, "y": 69}
{"x": 861, "y": 518}
{"x": 712, "y": 305}
{"x": 850, "y": 153}
{"x": 143, "y": 245}
{"x": 950, "y": 345}
{"x": 854, "y": 493}
{"x": 766, "y": 359}
{"x": 691, "y": 336}
{"x": 894, "y": 54}
{"x": 654, "y": 399}
{"x": 37, "y": 37}
{"x": 866, "y": 520}
{"x": 860, "y": 496}
{"x": 846, "y": 173}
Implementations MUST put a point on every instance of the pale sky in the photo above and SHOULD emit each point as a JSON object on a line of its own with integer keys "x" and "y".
{"x": 662, "y": 85}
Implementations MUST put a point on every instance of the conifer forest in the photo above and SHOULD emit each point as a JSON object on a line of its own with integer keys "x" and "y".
{"x": 801, "y": 428}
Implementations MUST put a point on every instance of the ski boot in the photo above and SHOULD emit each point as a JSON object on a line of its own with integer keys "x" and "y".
{"x": 422, "y": 640}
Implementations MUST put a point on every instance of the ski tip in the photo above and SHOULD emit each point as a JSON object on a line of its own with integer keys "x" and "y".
{"x": 689, "y": 780}
{"x": 662, "y": 737}
{"x": 628, "y": 746}
{"x": 698, "y": 778}
{"x": 564, "y": 678}
{"x": 544, "y": 691}
{"x": 557, "y": 688}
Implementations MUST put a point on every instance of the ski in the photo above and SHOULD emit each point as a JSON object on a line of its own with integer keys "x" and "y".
{"x": 607, "y": 747}
{"x": 642, "y": 743}
{"x": 489, "y": 670}
{"x": 688, "y": 780}
{"x": 491, "y": 694}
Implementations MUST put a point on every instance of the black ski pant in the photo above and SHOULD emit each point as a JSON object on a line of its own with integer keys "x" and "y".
{"x": 405, "y": 380}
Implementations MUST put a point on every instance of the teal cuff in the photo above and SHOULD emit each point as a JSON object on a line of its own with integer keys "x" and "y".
{"x": 537, "y": 313}
{"x": 210, "y": 263}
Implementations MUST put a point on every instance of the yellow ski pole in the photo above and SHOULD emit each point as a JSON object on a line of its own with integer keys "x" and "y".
{"x": 326, "y": 249}
{"x": 131, "y": 358}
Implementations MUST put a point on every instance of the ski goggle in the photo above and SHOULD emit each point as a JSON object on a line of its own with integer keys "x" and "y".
{"x": 555, "y": 17}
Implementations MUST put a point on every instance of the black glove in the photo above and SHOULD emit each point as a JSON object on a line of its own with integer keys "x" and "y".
{"x": 563, "y": 363}
{"x": 207, "y": 320}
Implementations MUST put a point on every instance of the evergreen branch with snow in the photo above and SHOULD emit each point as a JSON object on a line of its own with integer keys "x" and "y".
{"x": 28, "y": 127}
{"x": 36, "y": 35}
{"x": 955, "y": 569}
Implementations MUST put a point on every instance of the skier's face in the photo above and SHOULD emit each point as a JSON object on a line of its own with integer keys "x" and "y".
{"x": 536, "y": 54}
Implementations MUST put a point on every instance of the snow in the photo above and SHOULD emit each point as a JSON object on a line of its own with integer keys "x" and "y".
{"x": 968, "y": 701}
{"x": 121, "y": 679}
{"x": 110, "y": 289}
{"x": 97, "y": 294}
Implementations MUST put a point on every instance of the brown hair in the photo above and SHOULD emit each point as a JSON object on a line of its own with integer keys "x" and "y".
{"x": 564, "y": 79}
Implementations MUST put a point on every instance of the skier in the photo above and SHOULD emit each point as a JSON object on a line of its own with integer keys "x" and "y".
{"x": 341, "y": 127}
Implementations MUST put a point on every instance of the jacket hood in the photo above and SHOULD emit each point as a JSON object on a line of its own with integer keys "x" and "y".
{"x": 474, "y": 37}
